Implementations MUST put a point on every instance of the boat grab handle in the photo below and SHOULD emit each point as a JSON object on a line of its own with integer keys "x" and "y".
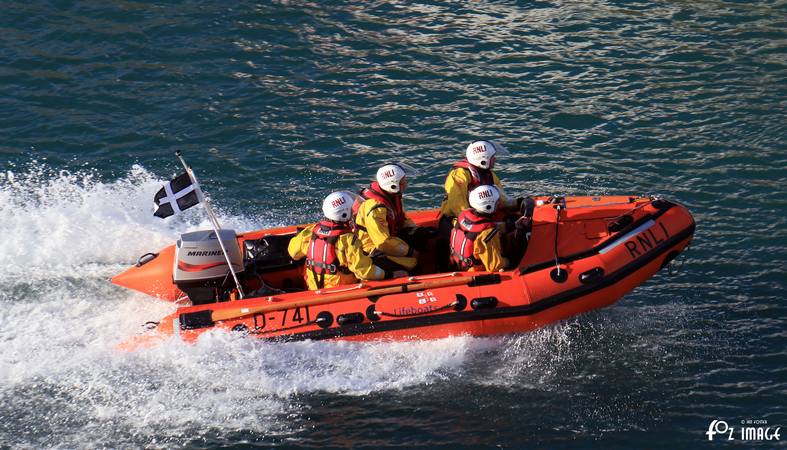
{"x": 146, "y": 258}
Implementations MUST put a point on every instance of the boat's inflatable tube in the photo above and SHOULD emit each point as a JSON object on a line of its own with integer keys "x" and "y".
{"x": 584, "y": 253}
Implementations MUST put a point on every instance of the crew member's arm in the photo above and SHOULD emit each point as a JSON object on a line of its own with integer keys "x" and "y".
{"x": 377, "y": 228}
{"x": 505, "y": 201}
{"x": 489, "y": 250}
{"x": 351, "y": 255}
{"x": 409, "y": 226}
{"x": 299, "y": 244}
{"x": 456, "y": 184}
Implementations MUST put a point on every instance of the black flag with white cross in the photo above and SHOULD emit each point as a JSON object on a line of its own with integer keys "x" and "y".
{"x": 176, "y": 196}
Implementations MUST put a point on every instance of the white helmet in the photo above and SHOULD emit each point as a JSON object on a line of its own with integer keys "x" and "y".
{"x": 338, "y": 206}
{"x": 390, "y": 176}
{"x": 484, "y": 199}
{"x": 480, "y": 153}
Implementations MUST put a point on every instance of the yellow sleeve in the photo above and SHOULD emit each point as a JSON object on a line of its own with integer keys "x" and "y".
{"x": 377, "y": 228}
{"x": 456, "y": 184}
{"x": 299, "y": 244}
{"x": 489, "y": 250}
{"x": 351, "y": 255}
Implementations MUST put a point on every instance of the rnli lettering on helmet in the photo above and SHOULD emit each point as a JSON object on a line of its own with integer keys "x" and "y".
{"x": 337, "y": 202}
{"x": 387, "y": 174}
{"x": 646, "y": 241}
{"x": 210, "y": 253}
{"x": 479, "y": 149}
{"x": 485, "y": 194}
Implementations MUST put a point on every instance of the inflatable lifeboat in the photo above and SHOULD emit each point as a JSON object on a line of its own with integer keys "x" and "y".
{"x": 584, "y": 253}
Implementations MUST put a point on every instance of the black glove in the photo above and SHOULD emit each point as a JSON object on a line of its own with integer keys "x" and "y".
{"x": 523, "y": 223}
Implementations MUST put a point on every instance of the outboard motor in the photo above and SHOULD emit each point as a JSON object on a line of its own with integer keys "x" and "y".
{"x": 200, "y": 267}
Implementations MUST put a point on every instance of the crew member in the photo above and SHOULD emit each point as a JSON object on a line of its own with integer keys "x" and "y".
{"x": 385, "y": 231}
{"x": 475, "y": 170}
{"x": 333, "y": 253}
{"x": 476, "y": 239}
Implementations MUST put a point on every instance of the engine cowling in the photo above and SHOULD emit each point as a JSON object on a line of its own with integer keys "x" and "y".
{"x": 200, "y": 268}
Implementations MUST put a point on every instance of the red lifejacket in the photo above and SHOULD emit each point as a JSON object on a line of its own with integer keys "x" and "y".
{"x": 391, "y": 202}
{"x": 468, "y": 226}
{"x": 480, "y": 177}
{"x": 321, "y": 256}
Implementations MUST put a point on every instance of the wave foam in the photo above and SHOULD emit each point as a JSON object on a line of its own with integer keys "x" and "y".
{"x": 56, "y": 222}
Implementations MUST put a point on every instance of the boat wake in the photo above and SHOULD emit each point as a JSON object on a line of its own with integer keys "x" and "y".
{"x": 63, "y": 383}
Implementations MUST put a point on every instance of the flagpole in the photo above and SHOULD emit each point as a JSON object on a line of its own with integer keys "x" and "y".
{"x": 212, "y": 217}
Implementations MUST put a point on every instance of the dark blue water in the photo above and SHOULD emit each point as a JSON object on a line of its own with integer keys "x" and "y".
{"x": 275, "y": 104}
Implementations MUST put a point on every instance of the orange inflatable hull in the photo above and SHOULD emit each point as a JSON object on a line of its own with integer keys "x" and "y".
{"x": 606, "y": 246}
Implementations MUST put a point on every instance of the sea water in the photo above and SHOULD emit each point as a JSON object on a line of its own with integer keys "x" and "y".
{"x": 275, "y": 104}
